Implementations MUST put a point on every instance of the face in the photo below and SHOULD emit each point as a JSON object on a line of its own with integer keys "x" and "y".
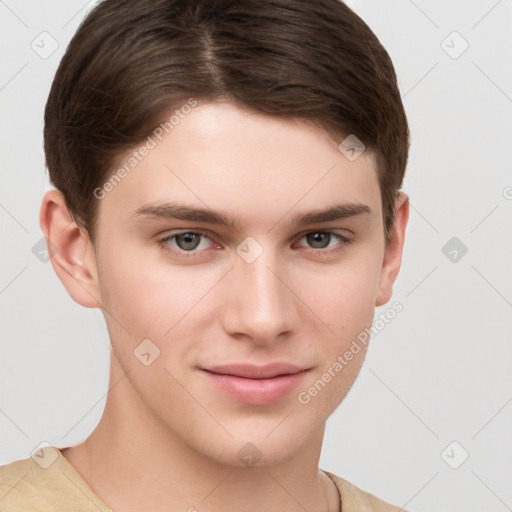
{"x": 247, "y": 251}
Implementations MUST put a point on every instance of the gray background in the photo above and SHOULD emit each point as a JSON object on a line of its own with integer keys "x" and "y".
{"x": 438, "y": 373}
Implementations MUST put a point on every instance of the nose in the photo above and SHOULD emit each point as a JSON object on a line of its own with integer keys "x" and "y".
{"x": 259, "y": 305}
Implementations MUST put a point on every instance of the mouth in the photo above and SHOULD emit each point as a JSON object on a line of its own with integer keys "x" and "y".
{"x": 256, "y": 385}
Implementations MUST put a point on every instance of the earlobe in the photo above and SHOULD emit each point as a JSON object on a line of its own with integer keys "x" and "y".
{"x": 71, "y": 251}
{"x": 393, "y": 254}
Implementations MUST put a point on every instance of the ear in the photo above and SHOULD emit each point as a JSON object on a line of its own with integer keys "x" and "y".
{"x": 71, "y": 251}
{"x": 393, "y": 252}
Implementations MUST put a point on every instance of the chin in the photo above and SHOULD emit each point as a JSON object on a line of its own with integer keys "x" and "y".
{"x": 259, "y": 449}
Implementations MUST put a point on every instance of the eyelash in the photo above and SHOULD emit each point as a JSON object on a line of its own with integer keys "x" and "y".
{"x": 164, "y": 243}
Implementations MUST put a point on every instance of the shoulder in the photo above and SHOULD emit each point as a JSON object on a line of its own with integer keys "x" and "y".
{"x": 15, "y": 484}
{"x": 45, "y": 482}
{"x": 355, "y": 499}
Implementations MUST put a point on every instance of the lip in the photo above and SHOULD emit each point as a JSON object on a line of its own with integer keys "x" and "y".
{"x": 256, "y": 385}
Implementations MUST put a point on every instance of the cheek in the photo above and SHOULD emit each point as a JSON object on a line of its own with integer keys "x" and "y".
{"x": 342, "y": 296}
{"x": 153, "y": 299}
{"x": 145, "y": 292}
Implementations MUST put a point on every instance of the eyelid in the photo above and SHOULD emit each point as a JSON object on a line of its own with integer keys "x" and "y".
{"x": 338, "y": 236}
{"x": 332, "y": 231}
{"x": 163, "y": 241}
{"x": 343, "y": 241}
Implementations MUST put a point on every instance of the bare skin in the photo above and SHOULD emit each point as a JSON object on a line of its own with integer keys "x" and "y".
{"x": 170, "y": 438}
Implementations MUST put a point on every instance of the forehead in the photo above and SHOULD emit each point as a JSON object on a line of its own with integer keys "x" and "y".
{"x": 220, "y": 156}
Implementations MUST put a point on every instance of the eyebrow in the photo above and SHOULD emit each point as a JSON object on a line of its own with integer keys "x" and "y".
{"x": 177, "y": 211}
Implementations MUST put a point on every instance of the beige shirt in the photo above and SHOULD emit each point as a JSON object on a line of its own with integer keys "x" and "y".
{"x": 47, "y": 482}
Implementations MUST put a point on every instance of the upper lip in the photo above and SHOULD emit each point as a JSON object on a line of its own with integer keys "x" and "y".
{"x": 250, "y": 371}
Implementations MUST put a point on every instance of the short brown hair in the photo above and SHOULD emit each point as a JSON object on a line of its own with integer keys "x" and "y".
{"x": 132, "y": 61}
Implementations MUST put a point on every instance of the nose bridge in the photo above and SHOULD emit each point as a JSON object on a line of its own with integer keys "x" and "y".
{"x": 261, "y": 306}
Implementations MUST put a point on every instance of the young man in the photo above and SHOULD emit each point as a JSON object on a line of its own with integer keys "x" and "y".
{"x": 228, "y": 193}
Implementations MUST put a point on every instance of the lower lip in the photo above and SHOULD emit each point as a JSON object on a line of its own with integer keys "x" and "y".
{"x": 257, "y": 391}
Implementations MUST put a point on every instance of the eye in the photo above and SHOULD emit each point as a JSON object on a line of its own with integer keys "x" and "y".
{"x": 322, "y": 240}
{"x": 192, "y": 243}
{"x": 185, "y": 242}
